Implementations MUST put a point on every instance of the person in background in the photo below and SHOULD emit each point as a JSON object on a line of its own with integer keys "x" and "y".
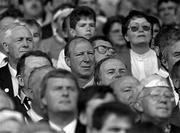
{"x": 16, "y": 40}
{"x": 112, "y": 117}
{"x": 89, "y": 99}
{"x": 79, "y": 56}
{"x": 35, "y": 29}
{"x": 103, "y": 48}
{"x": 109, "y": 70}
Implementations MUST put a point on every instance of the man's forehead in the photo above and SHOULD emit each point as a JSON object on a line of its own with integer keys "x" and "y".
{"x": 78, "y": 43}
{"x": 158, "y": 89}
{"x": 37, "y": 61}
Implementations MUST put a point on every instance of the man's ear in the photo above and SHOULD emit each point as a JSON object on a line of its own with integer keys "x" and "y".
{"x": 126, "y": 38}
{"x": 5, "y": 47}
{"x": 20, "y": 80}
{"x": 138, "y": 106}
{"x": 73, "y": 32}
{"x": 83, "y": 118}
{"x": 44, "y": 102}
{"x": 68, "y": 62}
{"x": 176, "y": 83}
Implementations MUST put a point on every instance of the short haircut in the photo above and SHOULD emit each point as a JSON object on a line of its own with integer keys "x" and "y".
{"x": 22, "y": 1}
{"x": 97, "y": 38}
{"x": 21, "y": 61}
{"x": 171, "y": 38}
{"x": 102, "y": 112}
{"x": 110, "y": 21}
{"x": 92, "y": 92}
{"x": 146, "y": 127}
{"x": 5, "y": 31}
{"x": 11, "y": 12}
{"x": 133, "y": 14}
{"x": 97, "y": 73}
{"x": 73, "y": 41}
{"x": 81, "y": 12}
{"x": 76, "y": 2}
{"x": 57, "y": 73}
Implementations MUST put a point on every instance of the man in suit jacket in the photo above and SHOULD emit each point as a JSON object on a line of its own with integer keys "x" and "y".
{"x": 16, "y": 40}
{"x": 59, "y": 95}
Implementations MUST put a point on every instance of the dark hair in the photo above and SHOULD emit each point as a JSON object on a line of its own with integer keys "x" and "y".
{"x": 146, "y": 127}
{"x": 102, "y": 112}
{"x": 111, "y": 20}
{"x": 56, "y": 73}
{"x": 22, "y": 2}
{"x": 73, "y": 41}
{"x": 98, "y": 66}
{"x": 11, "y": 12}
{"x": 76, "y": 2}
{"x": 21, "y": 61}
{"x": 78, "y": 13}
{"x": 96, "y": 38}
{"x": 91, "y": 92}
{"x": 154, "y": 20}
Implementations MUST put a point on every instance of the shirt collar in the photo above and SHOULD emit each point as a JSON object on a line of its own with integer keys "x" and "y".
{"x": 23, "y": 96}
{"x": 70, "y": 128}
{"x": 12, "y": 71}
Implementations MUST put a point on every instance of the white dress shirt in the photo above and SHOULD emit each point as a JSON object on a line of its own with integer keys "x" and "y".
{"x": 70, "y": 128}
{"x": 13, "y": 73}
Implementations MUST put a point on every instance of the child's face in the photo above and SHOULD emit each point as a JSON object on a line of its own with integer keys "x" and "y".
{"x": 85, "y": 27}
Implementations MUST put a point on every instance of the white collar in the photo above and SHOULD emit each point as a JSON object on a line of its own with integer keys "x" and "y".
{"x": 70, "y": 128}
{"x": 149, "y": 53}
{"x": 34, "y": 116}
{"x": 12, "y": 71}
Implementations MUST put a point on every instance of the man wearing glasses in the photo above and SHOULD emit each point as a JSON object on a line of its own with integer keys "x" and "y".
{"x": 103, "y": 48}
{"x": 155, "y": 103}
{"x": 141, "y": 61}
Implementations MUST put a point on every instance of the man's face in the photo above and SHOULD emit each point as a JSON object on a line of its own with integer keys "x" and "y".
{"x": 115, "y": 34}
{"x": 85, "y": 27}
{"x": 167, "y": 12}
{"x": 36, "y": 35}
{"x": 139, "y": 32}
{"x": 111, "y": 70}
{"x": 158, "y": 103}
{"x": 19, "y": 42}
{"x": 173, "y": 55}
{"x": 32, "y": 62}
{"x": 116, "y": 124}
{"x": 33, "y": 8}
{"x": 82, "y": 59}
{"x": 103, "y": 49}
{"x": 90, "y": 3}
{"x": 125, "y": 88}
{"x": 61, "y": 95}
{"x": 93, "y": 104}
{"x": 35, "y": 84}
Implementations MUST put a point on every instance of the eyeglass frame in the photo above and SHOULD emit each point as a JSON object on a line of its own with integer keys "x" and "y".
{"x": 138, "y": 26}
{"x": 106, "y": 48}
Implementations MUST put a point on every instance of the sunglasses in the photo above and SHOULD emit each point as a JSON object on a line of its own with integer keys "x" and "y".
{"x": 103, "y": 49}
{"x": 135, "y": 27}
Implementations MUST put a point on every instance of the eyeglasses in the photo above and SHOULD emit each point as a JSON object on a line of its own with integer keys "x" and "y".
{"x": 156, "y": 96}
{"x": 103, "y": 49}
{"x": 135, "y": 27}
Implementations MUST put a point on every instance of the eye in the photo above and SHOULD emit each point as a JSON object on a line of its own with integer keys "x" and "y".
{"x": 146, "y": 27}
{"x": 134, "y": 28}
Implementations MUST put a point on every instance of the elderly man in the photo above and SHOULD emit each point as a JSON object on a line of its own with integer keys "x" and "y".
{"x": 126, "y": 89}
{"x": 16, "y": 40}
{"x": 155, "y": 103}
{"x": 34, "y": 83}
{"x": 59, "y": 95}
{"x": 109, "y": 70}
{"x": 79, "y": 56}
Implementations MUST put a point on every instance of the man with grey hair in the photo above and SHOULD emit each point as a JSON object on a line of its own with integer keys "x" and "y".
{"x": 155, "y": 103}
{"x": 16, "y": 40}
